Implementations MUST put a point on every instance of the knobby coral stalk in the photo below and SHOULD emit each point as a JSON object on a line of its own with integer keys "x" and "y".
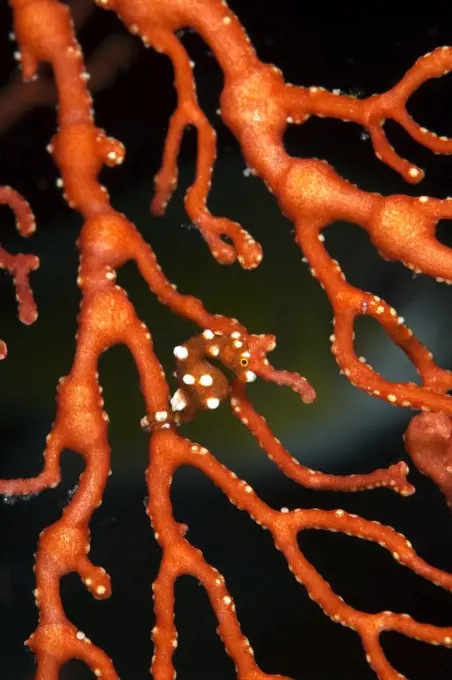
{"x": 19, "y": 266}
{"x": 257, "y": 105}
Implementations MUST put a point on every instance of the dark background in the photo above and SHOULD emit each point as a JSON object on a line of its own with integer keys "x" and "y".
{"x": 344, "y": 45}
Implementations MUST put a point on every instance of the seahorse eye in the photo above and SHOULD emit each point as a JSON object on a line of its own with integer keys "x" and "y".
{"x": 244, "y": 362}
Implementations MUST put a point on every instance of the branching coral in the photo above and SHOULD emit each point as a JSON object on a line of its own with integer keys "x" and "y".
{"x": 257, "y": 105}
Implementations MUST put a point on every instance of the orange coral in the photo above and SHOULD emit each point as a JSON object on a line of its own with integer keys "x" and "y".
{"x": 257, "y": 105}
